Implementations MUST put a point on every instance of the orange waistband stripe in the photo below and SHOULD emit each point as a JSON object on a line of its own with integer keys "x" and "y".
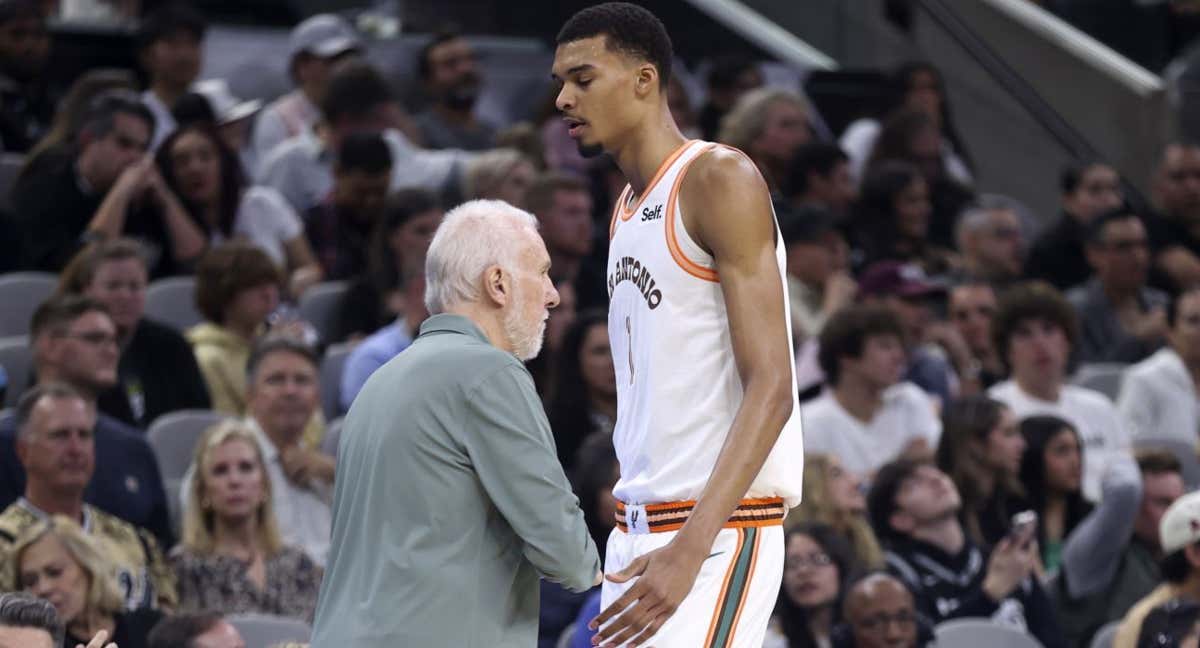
{"x": 670, "y": 516}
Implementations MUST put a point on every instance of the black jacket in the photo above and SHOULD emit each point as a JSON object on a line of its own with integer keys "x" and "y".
{"x": 158, "y": 374}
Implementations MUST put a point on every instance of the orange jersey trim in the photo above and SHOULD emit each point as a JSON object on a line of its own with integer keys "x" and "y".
{"x": 691, "y": 267}
{"x": 627, "y": 213}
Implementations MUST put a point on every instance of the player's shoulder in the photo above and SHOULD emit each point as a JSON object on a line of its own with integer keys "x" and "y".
{"x": 721, "y": 166}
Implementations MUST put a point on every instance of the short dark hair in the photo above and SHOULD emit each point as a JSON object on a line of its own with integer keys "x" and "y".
{"x": 57, "y": 313}
{"x": 820, "y": 158}
{"x": 22, "y": 610}
{"x": 167, "y": 21}
{"x": 804, "y": 224}
{"x": 102, "y": 111}
{"x": 34, "y": 395}
{"x": 1094, "y": 231}
{"x": 1027, "y": 301}
{"x": 1173, "y": 305}
{"x": 881, "y": 498}
{"x": 540, "y": 196}
{"x": 193, "y": 108}
{"x": 726, "y": 69}
{"x": 627, "y": 28}
{"x": 847, "y": 331}
{"x": 1072, "y": 174}
{"x": 277, "y": 343}
{"x": 365, "y": 153}
{"x": 226, "y": 270}
{"x": 178, "y": 630}
{"x": 1156, "y": 461}
{"x": 445, "y": 35}
{"x": 355, "y": 89}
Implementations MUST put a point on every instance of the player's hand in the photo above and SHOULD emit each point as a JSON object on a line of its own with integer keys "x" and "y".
{"x": 99, "y": 641}
{"x": 665, "y": 576}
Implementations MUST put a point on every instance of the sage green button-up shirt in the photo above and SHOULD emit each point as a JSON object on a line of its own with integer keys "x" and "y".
{"x": 449, "y": 503}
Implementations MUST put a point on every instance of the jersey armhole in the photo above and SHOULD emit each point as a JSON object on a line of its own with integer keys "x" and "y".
{"x": 677, "y": 240}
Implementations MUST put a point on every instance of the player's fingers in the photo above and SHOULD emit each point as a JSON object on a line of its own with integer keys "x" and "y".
{"x": 617, "y": 606}
{"x": 628, "y": 624}
{"x": 649, "y": 631}
{"x": 635, "y": 568}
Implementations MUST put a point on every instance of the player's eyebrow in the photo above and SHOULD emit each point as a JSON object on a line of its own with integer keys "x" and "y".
{"x": 583, "y": 67}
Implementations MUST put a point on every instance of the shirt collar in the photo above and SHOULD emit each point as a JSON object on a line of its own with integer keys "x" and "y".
{"x": 269, "y": 451}
{"x": 43, "y": 515}
{"x": 448, "y": 323}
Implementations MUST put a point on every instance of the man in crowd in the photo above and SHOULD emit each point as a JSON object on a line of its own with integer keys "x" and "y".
{"x": 818, "y": 284}
{"x": 1158, "y": 394}
{"x": 170, "y": 47}
{"x": 972, "y": 309}
{"x": 990, "y": 241}
{"x": 562, "y": 204}
{"x": 386, "y": 343}
{"x": 29, "y": 622}
{"x": 75, "y": 343}
{"x": 340, "y": 227}
{"x": 881, "y": 613}
{"x": 26, "y": 103}
{"x": 1176, "y": 230}
{"x": 316, "y": 46}
{"x": 448, "y": 69}
{"x": 1057, "y": 256}
{"x": 57, "y": 451}
{"x": 820, "y": 177}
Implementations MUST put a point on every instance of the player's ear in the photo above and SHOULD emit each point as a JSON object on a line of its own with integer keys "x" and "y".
{"x": 647, "y": 79}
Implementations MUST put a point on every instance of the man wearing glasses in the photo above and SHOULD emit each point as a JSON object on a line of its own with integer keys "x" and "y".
{"x": 880, "y": 613}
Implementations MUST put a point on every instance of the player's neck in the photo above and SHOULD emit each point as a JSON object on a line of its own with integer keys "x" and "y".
{"x": 645, "y": 150}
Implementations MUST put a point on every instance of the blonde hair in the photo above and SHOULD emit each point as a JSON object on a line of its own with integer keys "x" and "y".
{"x": 748, "y": 118}
{"x": 487, "y": 172}
{"x": 102, "y": 595}
{"x": 199, "y": 522}
{"x": 817, "y": 507}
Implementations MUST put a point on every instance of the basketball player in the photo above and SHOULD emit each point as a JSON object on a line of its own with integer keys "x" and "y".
{"x": 708, "y": 427}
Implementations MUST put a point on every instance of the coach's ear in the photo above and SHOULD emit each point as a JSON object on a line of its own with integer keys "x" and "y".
{"x": 497, "y": 285}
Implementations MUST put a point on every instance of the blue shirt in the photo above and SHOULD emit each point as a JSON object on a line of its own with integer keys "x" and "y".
{"x": 373, "y": 353}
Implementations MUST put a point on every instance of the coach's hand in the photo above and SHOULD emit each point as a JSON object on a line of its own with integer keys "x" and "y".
{"x": 666, "y": 577}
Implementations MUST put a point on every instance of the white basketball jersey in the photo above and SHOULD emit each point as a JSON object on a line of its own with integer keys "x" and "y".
{"x": 678, "y": 387}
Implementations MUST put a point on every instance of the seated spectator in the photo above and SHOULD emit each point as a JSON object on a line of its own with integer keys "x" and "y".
{"x": 981, "y": 449}
{"x": 1111, "y": 559}
{"x": 57, "y": 451}
{"x": 384, "y": 344}
{"x": 972, "y": 309}
{"x": 729, "y": 77}
{"x": 357, "y": 100}
{"x": 1158, "y": 395}
{"x": 232, "y": 117}
{"x": 680, "y": 104}
{"x": 1174, "y": 624}
{"x": 57, "y": 560}
{"x": 914, "y": 508}
{"x": 990, "y": 240}
{"x": 447, "y": 68}
{"x": 1121, "y": 318}
{"x": 68, "y": 114}
{"x": 584, "y": 402}
{"x": 1057, "y": 255}
{"x": 157, "y": 372}
{"x": 545, "y": 366}
{"x": 105, "y": 187}
{"x": 817, "y": 566}
{"x": 819, "y": 176}
{"x": 1052, "y": 473}
{"x": 769, "y": 125}
{"x": 26, "y": 102}
{"x": 563, "y": 206}
{"x": 237, "y": 287}
{"x": 340, "y": 227}
{"x": 29, "y": 621}
{"x": 880, "y": 612}
{"x": 866, "y": 416}
{"x": 232, "y": 558}
{"x": 1176, "y": 194}
{"x": 1179, "y": 533}
{"x": 892, "y": 219}
{"x": 282, "y": 397}
{"x": 206, "y": 630}
{"x": 817, "y": 280}
{"x": 1034, "y": 331}
{"x": 396, "y": 250}
{"x": 501, "y": 174}
{"x": 207, "y": 175}
{"x": 835, "y": 499}
{"x": 170, "y": 45}
{"x": 75, "y": 342}
{"x": 315, "y": 46}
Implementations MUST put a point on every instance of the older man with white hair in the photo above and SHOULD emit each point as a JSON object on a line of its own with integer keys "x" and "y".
{"x": 990, "y": 238}
{"x": 450, "y": 501}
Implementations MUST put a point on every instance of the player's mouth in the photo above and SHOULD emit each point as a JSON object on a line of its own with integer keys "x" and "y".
{"x": 574, "y": 126}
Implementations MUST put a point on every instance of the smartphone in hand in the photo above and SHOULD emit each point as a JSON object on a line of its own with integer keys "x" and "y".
{"x": 1024, "y": 527}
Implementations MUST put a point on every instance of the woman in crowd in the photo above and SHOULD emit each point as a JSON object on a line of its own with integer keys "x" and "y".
{"x": 834, "y": 498}
{"x": 817, "y": 565}
{"x": 1052, "y": 474}
{"x": 231, "y": 558}
{"x": 158, "y": 372}
{"x": 55, "y": 560}
{"x": 397, "y": 249}
{"x": 207, "y": 175}
{"x": 892, "y": 220}
{"x": 585, "y": 399}
{"x": 500, "y": 174}
{"x": 981, "y": 450}
{"x": 769, "y": 125}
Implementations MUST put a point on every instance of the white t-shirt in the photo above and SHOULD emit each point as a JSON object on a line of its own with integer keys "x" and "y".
{"x": 266, "y": 219}
{"x": 907, "y": 414}
{"x": 1103, "y": 431}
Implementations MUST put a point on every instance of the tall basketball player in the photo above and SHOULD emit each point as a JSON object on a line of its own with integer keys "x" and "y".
{"x": 708, "y": 427}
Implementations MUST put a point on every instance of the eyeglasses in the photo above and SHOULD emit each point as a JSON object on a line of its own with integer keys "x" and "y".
{"x": 878, "y": 622}
{"x": 815, "y": 560}
{"x": 93, "y": 338}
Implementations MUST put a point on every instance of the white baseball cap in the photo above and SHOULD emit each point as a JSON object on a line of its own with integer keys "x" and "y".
{"x": 226, "y": 107}
{"x": 1180, "y": 525}
{"x": 324, "y": 35}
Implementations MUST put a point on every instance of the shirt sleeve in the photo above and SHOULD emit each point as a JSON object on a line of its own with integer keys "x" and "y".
{"x": 1091, "y": 553}
{"x": 510, "y": 445}
{"x": 269, "y": 132}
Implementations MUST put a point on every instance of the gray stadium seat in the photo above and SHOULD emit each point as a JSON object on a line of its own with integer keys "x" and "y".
{"x": 1104, "y": 377}
{"x": 173, "y": 438}
{"x": 331, "y": 378}
{"x": 1105, "y": 636}
{"x": 16, "y": 356}
{"x": 172, "y": 301}
{"x": 21, "y": 293}
{"x": 1185, "y": 452}
{"x": 320, "y": 304}
{"x": 333, "y": 434}
{"x": 264, "y": 630}
{"x": 981, "y": 633}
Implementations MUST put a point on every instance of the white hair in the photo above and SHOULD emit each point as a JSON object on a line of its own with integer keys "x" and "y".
{"x": 472, "y": 236}
{"x": 978, "y": 215}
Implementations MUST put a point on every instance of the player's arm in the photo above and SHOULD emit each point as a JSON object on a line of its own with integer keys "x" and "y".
{"x": 732, "y": 218}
